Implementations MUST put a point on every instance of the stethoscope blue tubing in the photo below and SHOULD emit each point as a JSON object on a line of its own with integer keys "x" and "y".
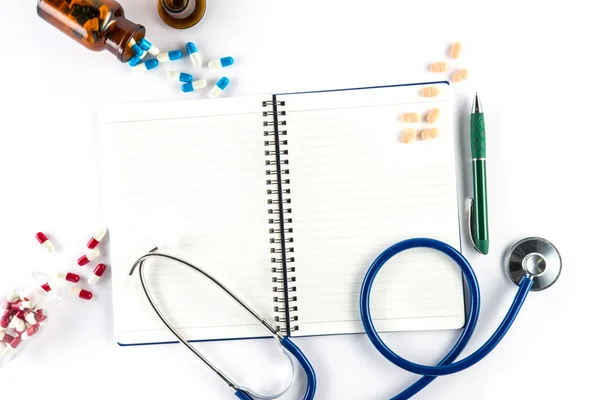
{"x": 311, "y": 377}
{"x": 447, "y": 365}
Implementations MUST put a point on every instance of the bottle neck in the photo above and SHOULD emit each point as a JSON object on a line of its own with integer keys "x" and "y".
{"x": 117, "y": 40}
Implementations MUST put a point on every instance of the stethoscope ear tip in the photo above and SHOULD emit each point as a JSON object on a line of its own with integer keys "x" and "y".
{"x": 536, "y": 258}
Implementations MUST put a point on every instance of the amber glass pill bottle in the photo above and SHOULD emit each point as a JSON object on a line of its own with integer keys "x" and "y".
{"x": 96, "y": 24}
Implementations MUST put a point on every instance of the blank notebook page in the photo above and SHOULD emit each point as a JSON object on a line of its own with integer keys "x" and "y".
{"x": 356, "y": 189}
{"x": 190, "y": 175}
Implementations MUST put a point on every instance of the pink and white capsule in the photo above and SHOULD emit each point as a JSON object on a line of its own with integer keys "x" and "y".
{"x": 50, "y": 286}
{"x": 19, "y": 325}
{"x": 12, "y": 296}
{"x": 98, "y": 272}
{"x": 89, "y": 256}
{"x": 46, "y": 244}
{"x": 27, "y": 305}
{"x": 96, "y": 239}
{"x": 30, "y": 318}
{"x": 68, "y": 276}
{"x": 81, "y": 293}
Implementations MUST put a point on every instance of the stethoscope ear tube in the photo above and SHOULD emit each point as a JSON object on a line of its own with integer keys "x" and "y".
{"x": 447, "y": 365}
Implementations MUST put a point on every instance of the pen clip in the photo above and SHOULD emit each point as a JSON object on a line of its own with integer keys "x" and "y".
{"x": 470, "y": 223}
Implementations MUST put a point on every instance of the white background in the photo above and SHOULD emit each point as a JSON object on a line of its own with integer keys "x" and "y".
{"x": 535, "y": 66}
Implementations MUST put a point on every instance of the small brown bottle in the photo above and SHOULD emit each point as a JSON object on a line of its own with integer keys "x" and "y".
{"x": 96, "y": 24}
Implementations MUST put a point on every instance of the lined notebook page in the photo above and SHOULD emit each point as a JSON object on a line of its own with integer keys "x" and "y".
{"x": 190, "y": 175}
{"x": 356, "y": 189}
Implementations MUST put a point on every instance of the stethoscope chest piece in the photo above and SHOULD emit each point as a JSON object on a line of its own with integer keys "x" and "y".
{"x": 534, "y": 256}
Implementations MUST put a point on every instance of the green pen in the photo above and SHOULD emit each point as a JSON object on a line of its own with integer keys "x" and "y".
{"x": 479, "y": 212}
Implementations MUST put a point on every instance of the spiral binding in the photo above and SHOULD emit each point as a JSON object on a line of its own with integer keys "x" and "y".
{"x": 280, "y": 216}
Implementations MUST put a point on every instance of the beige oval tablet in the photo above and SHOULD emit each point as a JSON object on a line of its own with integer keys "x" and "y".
{"x": 407, "y": 138}
{"x": 433, "y": 116}
{"x": 410, "y": 117}
{"x": 409, "y": 135}
{"x": 460, "y": 75}
{"x": 429, "y": 134}
{"x": 455, "y": 50}
{"x": 430, "y": 91}
{"x": 438, "y": 67}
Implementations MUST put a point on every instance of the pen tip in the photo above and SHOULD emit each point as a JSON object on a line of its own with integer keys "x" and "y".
{"x": 476, "y": 104}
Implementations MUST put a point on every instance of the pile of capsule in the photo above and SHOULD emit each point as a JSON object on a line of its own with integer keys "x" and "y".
{"x": 190, "y": 84}
{"x": 21, "y": 319}
{"x": 62, "y": 277}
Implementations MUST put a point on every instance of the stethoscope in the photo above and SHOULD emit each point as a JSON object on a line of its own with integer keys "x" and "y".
{"x": 284, "y": 341}
{"x": 532, "y": 264}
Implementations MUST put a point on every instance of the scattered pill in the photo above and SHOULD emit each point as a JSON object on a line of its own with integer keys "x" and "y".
{"x": 179, "y": 76}
{"x": 455, "y": 50}
{"x": 221, "y": 62}
{"x": 144, "y": 54}
{"x": 12, "y": 296}
{"x": 97, "y": 274}
{"x": 32, "y": 330}
{"x": 68, "y": 276}
{"x": 89, "y": 256}
{"x": 81, "y": 293}
{"x": 438, "y": 67}
{"x": 430, "y": 91}
{"x": 408, "y": 135}
{"x": 137, "y": 50}
{"x": 27, "y": 305}
{"x": 195, "y": 85}
{"x": 39, "y": 315}
{"x": 460, "y": 75}
{"x": 219, "y": 87}
{"x": 50, "y": 286}
{"x": 20, "y": 314}
{"x": 429, "y": 134}
{"x": 16, "y": 305}
{"x": 170, "y": 56}
{"x": 134, "y": 61}
{"x": 433, "y": 116}
{"x": 146, "y": 66}
{"x": 5, "y": 321}
{"x": 96, "y": 239}
{"x": 30, "y": 318}
{"x": 149, "y": 47}
{"x": 46, "y": 244}
{"x": 15, "y": 342}
{"x": 103, "y": 12}
{"x": 6, "y": 338}
{"x": 19, "y": 324}
{"x": 410, "y": 117}
{"x": 194, "y": 55}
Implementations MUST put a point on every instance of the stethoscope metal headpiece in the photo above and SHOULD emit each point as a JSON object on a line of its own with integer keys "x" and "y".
{"x": 535, "y": 257}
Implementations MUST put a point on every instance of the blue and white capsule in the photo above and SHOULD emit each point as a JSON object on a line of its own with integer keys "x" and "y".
{"x": 144, "y": 54}
{"x": 135, "y": 60}
{"x": 146, "y": 66}
{"x": 219, "y": 87}
{"x": 137, "y": 50}
{"x": 179, "y": 76}
{"x": 170, "y": 56}
{"x": 149, "y": 47}
{"x": 194, "y": 55}
{"x": 193, "y": 86}
{"x": 221, "y": 62}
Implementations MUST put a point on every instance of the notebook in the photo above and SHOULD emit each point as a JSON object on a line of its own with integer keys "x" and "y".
{"x": 287, "y": 199}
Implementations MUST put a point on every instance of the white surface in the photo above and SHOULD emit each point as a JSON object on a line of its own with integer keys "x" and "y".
{"x": 534, "y": 64}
